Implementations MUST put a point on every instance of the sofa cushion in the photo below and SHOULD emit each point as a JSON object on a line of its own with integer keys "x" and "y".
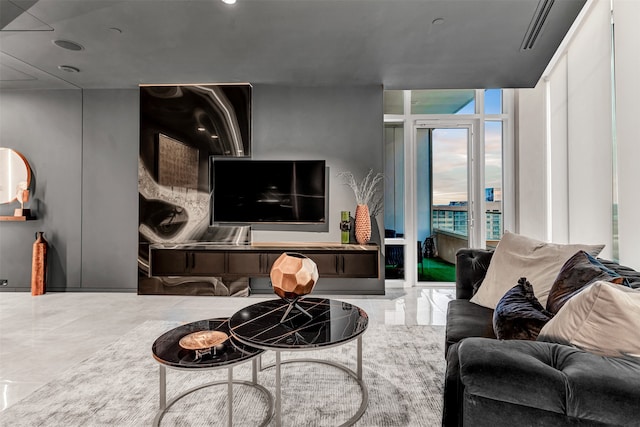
{"x": 579, "y": 271}
{"x": 603, "y": 319}
{"x": 519, "y": 315}
{"x": 465, "y": 319}
{"x": 512, "y": 371}
{"x": 552, "y": 377}
{"x": 519, "y": 256}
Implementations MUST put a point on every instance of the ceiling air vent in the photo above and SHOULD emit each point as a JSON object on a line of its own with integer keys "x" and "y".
{"x": 537, "y": 24}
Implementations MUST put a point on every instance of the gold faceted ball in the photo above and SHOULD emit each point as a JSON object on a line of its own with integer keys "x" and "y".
{"x": 293, "y": 275}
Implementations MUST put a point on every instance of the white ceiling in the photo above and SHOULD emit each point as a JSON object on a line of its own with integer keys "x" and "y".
{"x": 294, "y": 42}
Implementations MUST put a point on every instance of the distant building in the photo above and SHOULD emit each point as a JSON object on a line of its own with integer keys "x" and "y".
{"x": 453, "y": 219}
{"x": 488, "y": 194}
{"x": 494, "y": 220}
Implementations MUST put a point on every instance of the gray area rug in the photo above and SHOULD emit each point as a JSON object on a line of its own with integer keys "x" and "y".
{"x": 403, "y": 368}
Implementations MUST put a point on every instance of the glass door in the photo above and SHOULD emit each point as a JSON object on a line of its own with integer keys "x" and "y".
{"x": 443, "y": 197}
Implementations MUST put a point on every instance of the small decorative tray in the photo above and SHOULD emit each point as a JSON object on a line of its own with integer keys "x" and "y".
{"x": 202, "y": 340}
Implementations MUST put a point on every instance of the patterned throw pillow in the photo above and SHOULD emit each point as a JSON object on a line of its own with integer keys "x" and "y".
{"x": 519, "y": 315}
{"x": 578, "y": 272}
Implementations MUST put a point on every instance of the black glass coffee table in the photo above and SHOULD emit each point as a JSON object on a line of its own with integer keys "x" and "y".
{"x": 326, "y": 323}
{"x": 202, "y": 345}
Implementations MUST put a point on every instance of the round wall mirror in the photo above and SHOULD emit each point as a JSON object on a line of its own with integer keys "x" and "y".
{"x": 15, "y": 174}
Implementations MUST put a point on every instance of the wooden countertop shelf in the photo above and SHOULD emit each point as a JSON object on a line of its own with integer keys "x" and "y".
{"x": 14, "y": 218}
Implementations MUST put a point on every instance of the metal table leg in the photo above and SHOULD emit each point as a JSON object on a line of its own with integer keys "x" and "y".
{"x": 359, "y": 360}
{"x": 230, "y": 396}
{"x": 254, "y": 370}
{"x": 278, "y": 409}
{"x": 163, "y": 387}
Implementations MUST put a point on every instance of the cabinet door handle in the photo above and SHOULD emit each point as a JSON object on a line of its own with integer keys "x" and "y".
{"x": 193, "y": 260}
{"x": 186, "y": 261}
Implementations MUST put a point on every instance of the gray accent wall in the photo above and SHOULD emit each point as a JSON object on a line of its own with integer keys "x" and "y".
{"x": 83, "y": 149}
{"x": 110, "y": 189}
{"x": 46, "y": 127}
{"x": 341, "y": 125}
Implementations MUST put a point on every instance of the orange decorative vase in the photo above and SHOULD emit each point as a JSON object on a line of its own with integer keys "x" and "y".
{"x": 363, "y": 224}
{"x": 39, "y": 265}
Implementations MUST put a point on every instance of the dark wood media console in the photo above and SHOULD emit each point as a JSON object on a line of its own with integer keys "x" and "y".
{"x": 334, "y": 261}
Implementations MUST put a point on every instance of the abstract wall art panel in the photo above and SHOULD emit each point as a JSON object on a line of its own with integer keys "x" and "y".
{"x": 181, "y": 128}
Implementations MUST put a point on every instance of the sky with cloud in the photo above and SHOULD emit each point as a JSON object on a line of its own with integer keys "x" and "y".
{"x": 450, "y": 163}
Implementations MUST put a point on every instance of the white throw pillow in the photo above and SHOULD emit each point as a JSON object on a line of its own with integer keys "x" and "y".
{"x": 604, "y": 319}
{"x": 519, "y": 256}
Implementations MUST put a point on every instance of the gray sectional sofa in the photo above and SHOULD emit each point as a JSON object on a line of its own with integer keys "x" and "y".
{"x": 491, "y": 382}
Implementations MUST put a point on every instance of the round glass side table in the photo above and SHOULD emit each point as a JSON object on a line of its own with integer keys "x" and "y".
{"x": 206, "y": 345}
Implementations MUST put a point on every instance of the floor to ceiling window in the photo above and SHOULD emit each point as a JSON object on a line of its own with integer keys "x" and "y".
{"x": 448, "y": 169}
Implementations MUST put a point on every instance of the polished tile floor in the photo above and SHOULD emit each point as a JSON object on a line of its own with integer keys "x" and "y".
{"x": 44, "y": 335}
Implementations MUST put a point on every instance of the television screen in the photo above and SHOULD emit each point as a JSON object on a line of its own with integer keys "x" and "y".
{"x": 268, "y": 191}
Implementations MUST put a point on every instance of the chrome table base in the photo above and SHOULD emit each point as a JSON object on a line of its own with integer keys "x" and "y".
{"x": 164, "y": 405}
{"x": 357, "y": 376}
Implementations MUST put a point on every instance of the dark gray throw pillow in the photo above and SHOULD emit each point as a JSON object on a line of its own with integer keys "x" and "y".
{"x": 519, "y": 315}
{"x": 579, "y": 271}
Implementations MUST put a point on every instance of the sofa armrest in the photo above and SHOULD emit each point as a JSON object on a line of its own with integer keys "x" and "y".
{"x": 471, "y": 267}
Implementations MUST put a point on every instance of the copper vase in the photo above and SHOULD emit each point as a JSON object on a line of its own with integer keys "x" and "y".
{"x": 363, "y": 224}
{"x": 39, "y": 265}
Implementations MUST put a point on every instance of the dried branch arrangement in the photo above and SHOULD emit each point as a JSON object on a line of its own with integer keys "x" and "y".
{"x": 364, "y": 190}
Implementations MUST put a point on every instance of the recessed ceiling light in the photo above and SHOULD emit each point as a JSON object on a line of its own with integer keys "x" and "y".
{"x": 438, "y": 21}
{"x": 67, "y": 44}
{"x": 69, "y": 68}
{"x": 201, "y": 129}
{"x": 214, "y": 136}
{"x": 115, "y": 30}
{"x": 229, "y": 1}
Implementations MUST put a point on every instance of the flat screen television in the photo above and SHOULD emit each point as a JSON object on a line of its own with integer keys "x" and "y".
{"x": 268, "y": 191}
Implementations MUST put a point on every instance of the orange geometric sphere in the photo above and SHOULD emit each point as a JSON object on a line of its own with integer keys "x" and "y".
{"x": 293, "y": 275}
